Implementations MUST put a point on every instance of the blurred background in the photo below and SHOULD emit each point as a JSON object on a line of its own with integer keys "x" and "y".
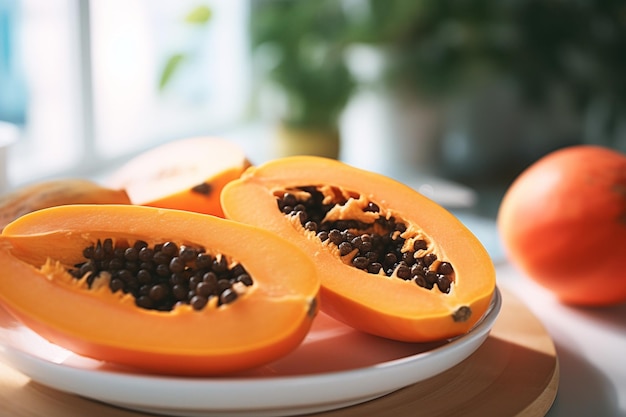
{"x": 453, "y": 97}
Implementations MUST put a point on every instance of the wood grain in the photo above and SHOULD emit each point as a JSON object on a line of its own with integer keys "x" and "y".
{"x": 514, "y": 373}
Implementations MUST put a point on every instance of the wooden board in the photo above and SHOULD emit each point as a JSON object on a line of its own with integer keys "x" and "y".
{"x": 514, "y": 373}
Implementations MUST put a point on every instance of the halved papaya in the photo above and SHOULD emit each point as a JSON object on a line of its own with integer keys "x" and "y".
{"x": 185, "y": 174}
{"x": 392, "y": 262}
{"x": 99, "y": 312}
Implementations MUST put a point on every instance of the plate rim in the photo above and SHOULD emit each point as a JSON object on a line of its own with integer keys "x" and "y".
{"x": 220, "y": 386}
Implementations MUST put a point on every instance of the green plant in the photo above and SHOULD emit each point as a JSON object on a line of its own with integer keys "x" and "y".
{"x": 304, "y": 42}
{"x": 445, "y": 46}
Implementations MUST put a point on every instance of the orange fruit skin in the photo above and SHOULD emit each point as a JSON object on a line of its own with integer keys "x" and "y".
{"x": 563, "y": 222}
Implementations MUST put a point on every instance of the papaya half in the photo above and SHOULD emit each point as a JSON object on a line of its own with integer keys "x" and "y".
{"x": 185, "y": 174}
{"x": 159, "y": 290}
{"x": 392, "y": 262}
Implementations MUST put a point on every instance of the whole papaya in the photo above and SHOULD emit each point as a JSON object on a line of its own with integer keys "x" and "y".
{"x": 563, "y": 222}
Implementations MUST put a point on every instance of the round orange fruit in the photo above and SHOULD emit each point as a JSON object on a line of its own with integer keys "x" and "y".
{"x": 563, "y": 222}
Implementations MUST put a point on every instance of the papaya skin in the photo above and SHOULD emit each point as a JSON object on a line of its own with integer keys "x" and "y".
{"x": 267, "y": 321}
{"x": 184, "y": 174}
{"x": 56, "y": 192}
{"x": 373, "y": 303}
{"x": 566, "y": 209}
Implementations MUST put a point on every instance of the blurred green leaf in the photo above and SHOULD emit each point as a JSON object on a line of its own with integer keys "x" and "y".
{"x": 170, "y": 67}
{"x": 199, "y": 16}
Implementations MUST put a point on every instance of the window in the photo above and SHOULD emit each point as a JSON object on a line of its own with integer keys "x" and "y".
{"x": 132, "y": 40}
{"x": 93, "y": 71}
{"x": 44, "y": 38}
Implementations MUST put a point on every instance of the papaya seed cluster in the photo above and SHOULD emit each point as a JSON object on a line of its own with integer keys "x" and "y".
{"x": 161, "y": 276}
{"x": 377, "y": 247}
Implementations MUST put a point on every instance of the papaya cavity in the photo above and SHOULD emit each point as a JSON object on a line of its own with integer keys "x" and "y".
{"x": 162, "y": 276}
{"x": 366, "y": 238}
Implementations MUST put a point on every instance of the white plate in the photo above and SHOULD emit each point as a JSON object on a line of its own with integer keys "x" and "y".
{"x": 334, "y": 367}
